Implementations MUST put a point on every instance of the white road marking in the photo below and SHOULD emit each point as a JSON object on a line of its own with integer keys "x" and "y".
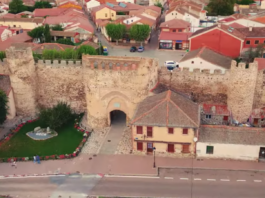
{"x": 184, "y": 178}
{"x": 257, "y": 181}
{"x": 225, "y": 179}
{"x": 241, "y": 180}
{"x": 143, "y": 177}
{"x": 197, "y": 179}
{"x": 168, "y": 178}
{"x": 211, "y": 179}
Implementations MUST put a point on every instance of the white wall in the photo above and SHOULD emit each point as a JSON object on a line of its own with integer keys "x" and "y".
{"x": 173, "y": 15}
{"x": 195, "y": 22}
{"x": 229, "y": 151}
{"x": 6, "y": 34}
{"x": 246, "y": 22}
{"x": 201, "y": 64}
{"x": 92, "y": 4}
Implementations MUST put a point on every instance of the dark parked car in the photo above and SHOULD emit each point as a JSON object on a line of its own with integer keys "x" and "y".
{"x": 133, "y": 49}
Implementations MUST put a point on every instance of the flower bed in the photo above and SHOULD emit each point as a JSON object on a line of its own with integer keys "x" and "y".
{"x": 75, "y": 153}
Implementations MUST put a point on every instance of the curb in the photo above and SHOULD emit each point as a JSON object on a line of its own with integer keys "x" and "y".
{"x": 201, "y": 168}
{"x": 32, "y": 175}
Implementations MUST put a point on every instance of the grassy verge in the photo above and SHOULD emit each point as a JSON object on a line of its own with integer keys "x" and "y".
{"x": 20, "y": 145}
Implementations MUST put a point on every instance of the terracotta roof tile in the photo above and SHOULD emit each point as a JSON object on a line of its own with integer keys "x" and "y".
{"x": 232, "y": 135}
{"x": 210, "y": 56}
{"x": 167, "y": 109}
{"x": 256, "y": 32}
{"x": 236, "y": 25}
{"x": 184, "y": 36}
{"x": 215, "y": 109}
{"x": 62, "y": 33}
{"x": 29, "y": 20}
{"x": 175, "y": 23}
{"x": 20, "y": 38}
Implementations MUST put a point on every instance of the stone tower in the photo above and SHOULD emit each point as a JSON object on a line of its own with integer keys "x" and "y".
{"x": 241, "y": 90}
{"x": 22, "y": 74}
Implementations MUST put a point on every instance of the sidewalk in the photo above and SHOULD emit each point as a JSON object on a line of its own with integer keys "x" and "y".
{"x": 122, "y": 165}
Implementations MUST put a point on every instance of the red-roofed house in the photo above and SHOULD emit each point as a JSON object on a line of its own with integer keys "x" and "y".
{"x": 5, "y": 33}
{"x": 49, "y": 12}
{"x": 70, "y": 4}
{"x": 236, "y": 25}
{"x": 20, "y": 38}
{"x": 215, "y": 114}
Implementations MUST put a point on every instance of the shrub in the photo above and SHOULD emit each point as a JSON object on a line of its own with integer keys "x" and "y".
{"x": 65, "y": 41}
{"x": 56, "y": 116}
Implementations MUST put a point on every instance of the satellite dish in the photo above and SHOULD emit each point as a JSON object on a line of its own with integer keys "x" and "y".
{"x": 195, "y": 139}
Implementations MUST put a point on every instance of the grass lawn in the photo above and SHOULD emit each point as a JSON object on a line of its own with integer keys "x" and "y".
{"x": 20, "y": 145}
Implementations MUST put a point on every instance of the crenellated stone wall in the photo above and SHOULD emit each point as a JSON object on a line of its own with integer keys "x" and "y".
{"x": 201, "y": 85}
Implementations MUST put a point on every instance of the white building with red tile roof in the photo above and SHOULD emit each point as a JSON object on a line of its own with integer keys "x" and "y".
{"x": 5, "y": 33}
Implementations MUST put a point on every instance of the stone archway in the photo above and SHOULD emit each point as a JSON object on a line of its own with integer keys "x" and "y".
{"x": 117, "y": 108}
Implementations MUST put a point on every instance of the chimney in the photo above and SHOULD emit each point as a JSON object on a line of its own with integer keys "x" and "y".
{"x": 250, "y": 28}
{"x": 189, "y": 8}
{"x": 219, "y": 25}
{"x": 166, "y": 25}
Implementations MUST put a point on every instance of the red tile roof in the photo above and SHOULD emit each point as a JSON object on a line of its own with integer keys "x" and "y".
{"x": 261, "y": 63}
{"x": 184, "y": 36}
{"x": 155, "y": 8}
{"x": 49, "y": 12}
{"x": 20, "y": 38}
{"x": 215, "y": 109}
{"x": 236, "y": 25}
{"x": 168, "y": 109}
{"x": 228, "y": 19}
{"x": 175, "y": 23}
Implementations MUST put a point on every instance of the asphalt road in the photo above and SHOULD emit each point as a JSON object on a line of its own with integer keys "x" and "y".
{"x": 181, "y": 183}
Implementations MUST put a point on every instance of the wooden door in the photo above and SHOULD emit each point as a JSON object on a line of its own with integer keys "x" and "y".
{"x": 149, "y": 147}
{"x": 171, "y": 148}
{"x": 256, "y": 121}
{"x": 139, "y": 146}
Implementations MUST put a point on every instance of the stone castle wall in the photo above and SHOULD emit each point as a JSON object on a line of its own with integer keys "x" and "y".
{"x": 99, "y": 84}
{"x": 201, "y": 85}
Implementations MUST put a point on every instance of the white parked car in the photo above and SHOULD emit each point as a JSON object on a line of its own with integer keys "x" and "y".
{"x": 171, "y": 65}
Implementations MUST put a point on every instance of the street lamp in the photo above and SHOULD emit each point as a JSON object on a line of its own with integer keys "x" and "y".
{"x": 154, "y": 149}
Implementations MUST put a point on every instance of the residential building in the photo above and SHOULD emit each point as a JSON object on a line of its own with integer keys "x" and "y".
{"x": 227, "y": 40}
{"x": 22, "y": 23}
{"x": 5, "y": 85}
{"x": 257, "y": 117}
{"x": 174, "y": 40}
{"x": 73, "y": 36}
{"x": 215, "y": 114}
{"x": 175, "y": 25}
{"x": 111, "y": 10}
{"x": 167, "y": 121}
{"x": 20, "y": 38}
{"x": 246, "y": 22}
{"x": 70, "y": 4}
{"x": 242, "y": 143}
{"x": 5, "y": 33}
{"x": 91, "y": 4}
{"x": 205, "y": 59}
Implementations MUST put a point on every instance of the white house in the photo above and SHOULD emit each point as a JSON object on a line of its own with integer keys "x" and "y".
{"x": 92, "y": 4}
{"x": 205, "y": 58}
{"x": 5, "y": 33}
{"x": 192, "y": 19}
{"x": 246, "y": 23}
{"x": 227, "y": 142}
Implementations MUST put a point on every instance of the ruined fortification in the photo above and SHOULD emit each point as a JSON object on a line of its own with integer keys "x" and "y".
{"x": 98, "y": 85}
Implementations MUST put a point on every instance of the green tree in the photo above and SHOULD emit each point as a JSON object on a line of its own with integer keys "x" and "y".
{"x": 37, "y": 33}
{"x": 57, "y": 27}
{"x": 56, "y": 116}
{"x": 2, "y": 55}
{"x": 139, "y": 32}
{"x": 245, "y": 2}
{"x": 158, "y": 4}
{"x": 220, "y": 7}
{"x": 86, "y": 49}
{"x": 65, "y": 41}
{"x": 42, "y": 4}
{"x": 47, "y": 34}
{"x": 116, "y": 31}
{"x": 253, "y": 53}
{"x": 3, "y": 106}
{"x": 16, "y": 6}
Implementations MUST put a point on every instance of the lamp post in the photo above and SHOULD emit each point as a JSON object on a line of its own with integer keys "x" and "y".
{"x": 154, "y": 149}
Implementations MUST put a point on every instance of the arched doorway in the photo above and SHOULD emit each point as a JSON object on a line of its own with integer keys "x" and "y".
{"x": 117, "y": 117}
